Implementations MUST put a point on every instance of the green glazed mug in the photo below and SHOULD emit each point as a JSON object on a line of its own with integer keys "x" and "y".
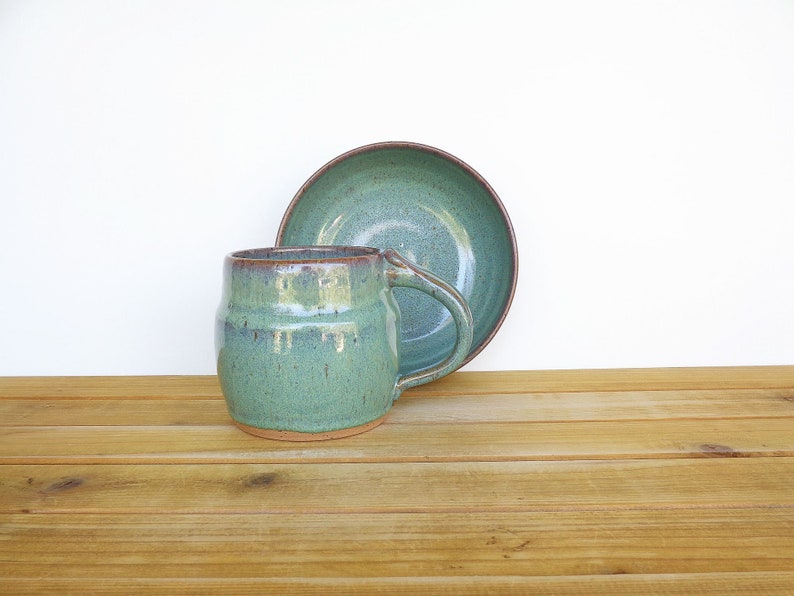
{"x": 308, "y": 338}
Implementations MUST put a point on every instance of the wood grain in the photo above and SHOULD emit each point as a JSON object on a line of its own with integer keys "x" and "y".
{"x": 631, "y": 379}
{"x": 673, "y": 584}
{"x": 491, "y": 441}
{"x": 664, "y": 481}
{"x": 458, "y": 383}
{"x": 401, "y": 545}
{"x": 453, "y": 409}
{"x": 406, "y": 487}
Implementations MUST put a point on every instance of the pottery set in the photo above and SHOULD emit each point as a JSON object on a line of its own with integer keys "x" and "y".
{"x": 394, "y": 265}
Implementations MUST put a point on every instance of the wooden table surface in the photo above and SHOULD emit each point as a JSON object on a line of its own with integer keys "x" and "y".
{"x": 659, "y": 480}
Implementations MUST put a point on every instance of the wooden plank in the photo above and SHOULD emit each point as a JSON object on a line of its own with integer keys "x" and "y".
{"x": 702, "y": 584}
{"x": 110, "y": 412}
{"x": 411, "y": 487}
{"x": 589, "y": 380}
{"x": 510, "y": 441}
{"x": 628, "y": 405}
{"x": 572, "y": 543}
{"x": 604, "y": 406}
{"x": 458, "y": 383}
{"x": 111, "y": 387}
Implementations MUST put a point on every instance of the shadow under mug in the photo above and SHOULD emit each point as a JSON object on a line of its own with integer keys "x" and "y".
{"x": 308, "y": 338}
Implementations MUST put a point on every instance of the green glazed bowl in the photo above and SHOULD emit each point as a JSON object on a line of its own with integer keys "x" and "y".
{"x": 436, "y": 211}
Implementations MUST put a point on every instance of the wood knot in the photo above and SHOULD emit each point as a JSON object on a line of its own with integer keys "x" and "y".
{"x": 65, "y": 484}
{"x": 717, "y": 450}
{"x": 259, "y": 480}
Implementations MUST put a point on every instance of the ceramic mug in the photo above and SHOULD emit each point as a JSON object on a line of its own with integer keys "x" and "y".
{"x": 308, "y": 338}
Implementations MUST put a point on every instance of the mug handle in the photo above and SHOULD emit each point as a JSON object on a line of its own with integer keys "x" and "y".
{"x": 404, "y": 273}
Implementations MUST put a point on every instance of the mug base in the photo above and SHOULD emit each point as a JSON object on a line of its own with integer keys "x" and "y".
{"x": 291, "y": 435}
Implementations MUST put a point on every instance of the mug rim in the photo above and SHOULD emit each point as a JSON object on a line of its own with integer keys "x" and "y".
{"x": 303, "y": 254}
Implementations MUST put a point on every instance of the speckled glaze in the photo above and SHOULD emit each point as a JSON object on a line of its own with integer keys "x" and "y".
{"x": 438, "y": 212}
{"x": 307, "y": 338}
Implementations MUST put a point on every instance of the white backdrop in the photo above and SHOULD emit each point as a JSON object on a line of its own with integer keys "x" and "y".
{"x": 644, "y": 151}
